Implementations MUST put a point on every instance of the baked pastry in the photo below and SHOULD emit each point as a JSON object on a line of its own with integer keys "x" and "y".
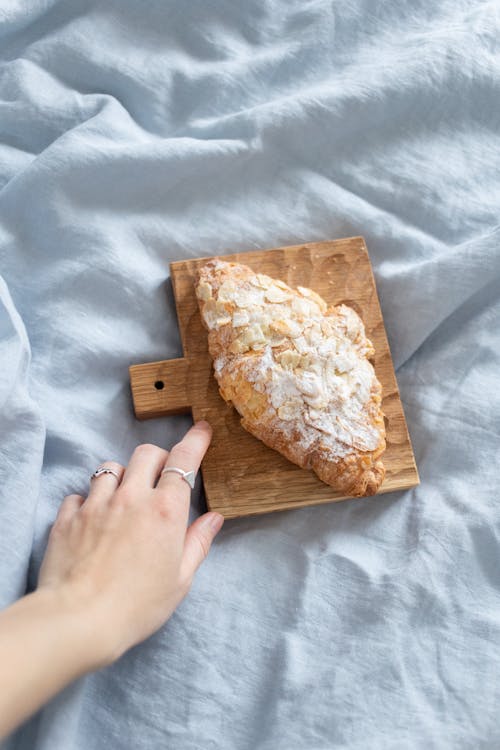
{"x": 298, "y": 373}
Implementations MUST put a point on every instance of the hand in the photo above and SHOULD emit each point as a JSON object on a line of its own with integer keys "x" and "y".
{"x": 123, "y": 555}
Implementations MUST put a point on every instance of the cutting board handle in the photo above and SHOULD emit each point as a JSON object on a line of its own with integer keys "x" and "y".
{"x": 160, "y": 388}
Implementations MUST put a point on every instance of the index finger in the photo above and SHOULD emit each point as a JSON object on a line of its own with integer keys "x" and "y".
{"x": 186, "y": 455}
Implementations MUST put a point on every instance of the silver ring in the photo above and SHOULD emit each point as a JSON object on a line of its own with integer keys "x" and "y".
{"x": 104, "y": 470}
{"x": 188, "y": 476}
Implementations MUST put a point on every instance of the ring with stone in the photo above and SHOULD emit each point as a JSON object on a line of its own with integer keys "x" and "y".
{"x": 188, "y": 476}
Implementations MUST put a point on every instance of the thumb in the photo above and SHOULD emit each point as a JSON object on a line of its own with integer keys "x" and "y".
{"x": 198, "y": 540}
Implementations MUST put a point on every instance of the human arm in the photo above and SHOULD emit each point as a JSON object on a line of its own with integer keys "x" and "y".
{"x": 116, "y": 566}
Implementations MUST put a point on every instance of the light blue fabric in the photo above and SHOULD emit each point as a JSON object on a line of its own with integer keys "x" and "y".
{"x": 138, "y": 133}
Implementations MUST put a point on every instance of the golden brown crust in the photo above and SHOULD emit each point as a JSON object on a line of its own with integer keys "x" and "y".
{"x": 297, "y": 371}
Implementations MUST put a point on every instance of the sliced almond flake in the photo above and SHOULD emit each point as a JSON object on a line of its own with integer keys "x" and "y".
{"x": 238, "y": 347}
{"x": 221, "y": 308}
{"x": 317, "y": 402}
{"x": 261, "y": 281}
{"x": 240, "y": 318}
{"x": 287, "y": 327}
{"x": 343, "y": 363}
{"x": 313, "y": 334}
{"x": 210, "y": 314}
{"x": 319, "y": 421}
{"x": 295, "y": 328}
{"x": 248, "y": 297}
{"x": 275, "y": 294}
{"x": 287, "y": 412}
{"x": 280, "y": 326}
{"x": 290, "y": 359}
{"x": 304, "y": 291}
{"x": 326, "y": 327}
{"x": 277, "y": 342}
{"x": 301, "y": 344}
{"x": 204, "y": 291}
{"x": 311, "y": 295}
{"x": 252, "y": 334}
{"x": 303, "y": 307}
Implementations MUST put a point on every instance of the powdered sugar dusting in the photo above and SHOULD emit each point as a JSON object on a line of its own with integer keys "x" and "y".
{"x": 309, "y": 361}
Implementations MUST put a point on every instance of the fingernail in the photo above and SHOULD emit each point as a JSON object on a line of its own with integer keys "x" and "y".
{"x": 215, "y": 521}
{"x": 203, "y": 424}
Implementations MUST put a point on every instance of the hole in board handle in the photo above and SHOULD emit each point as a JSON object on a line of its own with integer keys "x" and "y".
{"x": 159, "y": 385}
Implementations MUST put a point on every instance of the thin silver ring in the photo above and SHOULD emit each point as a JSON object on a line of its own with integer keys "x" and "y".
{"x": 188, "y": 476}
{"x": 104, "y": 470}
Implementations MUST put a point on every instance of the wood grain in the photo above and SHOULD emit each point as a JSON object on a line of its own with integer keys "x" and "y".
{"x": 160, "y": 388}
{"x": 241, "y": 475}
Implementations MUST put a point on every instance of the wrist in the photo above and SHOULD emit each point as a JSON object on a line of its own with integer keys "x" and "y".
{"x": 81, "y": 623}
{"x": 47, "y": 639}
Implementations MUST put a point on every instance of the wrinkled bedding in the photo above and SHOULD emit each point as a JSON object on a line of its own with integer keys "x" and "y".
{"x": 133, "y": 134}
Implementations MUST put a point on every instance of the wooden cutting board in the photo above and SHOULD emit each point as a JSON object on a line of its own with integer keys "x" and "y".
{"x": 241, "y": 475}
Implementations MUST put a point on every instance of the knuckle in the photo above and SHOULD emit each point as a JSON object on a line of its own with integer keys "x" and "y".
{"x": 86, "y": 512}
{"x": 146, "y": 448}
{"x": 59, "y": 525}
{"x": 123, "y": 496}
{"x": 204, "y": 544}
{"x": 113, "y": 465}
{"x": 65, "y": 513}
{"x": 181, "y": 453}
